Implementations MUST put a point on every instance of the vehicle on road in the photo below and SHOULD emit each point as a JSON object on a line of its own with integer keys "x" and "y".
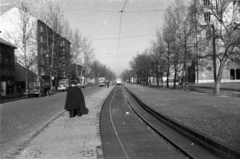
{"x": 38, "y": 89}
{"x": 118, "y": 81}
{"x": 101, "y": 81}
{"x": 63, "y": 84}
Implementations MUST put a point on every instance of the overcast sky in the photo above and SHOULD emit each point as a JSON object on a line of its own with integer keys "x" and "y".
{"x": 99, "y": 20}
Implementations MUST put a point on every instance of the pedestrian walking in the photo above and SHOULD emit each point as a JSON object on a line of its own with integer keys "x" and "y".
{"x": 107, "y": 83}
{"x": 75, "y": 102}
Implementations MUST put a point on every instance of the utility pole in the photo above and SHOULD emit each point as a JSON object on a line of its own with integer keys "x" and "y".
{"x": 207, "y": 19}
{"x": 214, "y": 54}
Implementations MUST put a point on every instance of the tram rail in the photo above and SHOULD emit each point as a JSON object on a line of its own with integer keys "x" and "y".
{"x": 215, "y": 147}
{"x": 165, "y": 127}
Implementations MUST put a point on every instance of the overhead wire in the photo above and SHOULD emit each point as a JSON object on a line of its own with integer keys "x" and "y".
{"x": 125, "y": 37}
{"x": 106, "y": 11}
{"x": 120, "y": 25}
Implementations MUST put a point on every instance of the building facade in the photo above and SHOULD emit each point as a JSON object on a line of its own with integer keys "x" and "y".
{"x": 7, "y": 67}
{"x": 53, "y": 52}
{"x": 204, "y": 68}
{"x": 46, "y": 50}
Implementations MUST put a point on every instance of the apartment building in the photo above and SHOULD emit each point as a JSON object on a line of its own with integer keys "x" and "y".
{"x": 45, "y": 49}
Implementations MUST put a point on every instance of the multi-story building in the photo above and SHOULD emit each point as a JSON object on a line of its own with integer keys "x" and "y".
{"x": 231, "y": 71}
{"x": 7, "y": 67}
{"x": 53, "y": 51}
{"x": 45, "y": 49}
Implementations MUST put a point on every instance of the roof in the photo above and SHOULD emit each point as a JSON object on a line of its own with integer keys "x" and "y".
{"x": 2, "y": 41}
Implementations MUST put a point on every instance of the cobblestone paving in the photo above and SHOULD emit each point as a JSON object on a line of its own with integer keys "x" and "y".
{"x": 70, "y": 138}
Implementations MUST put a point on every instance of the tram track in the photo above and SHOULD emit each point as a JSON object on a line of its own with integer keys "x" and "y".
{"x": 203, "y": 141}
{"x": 123, "y": 115}
{"x": 125, "y": 135}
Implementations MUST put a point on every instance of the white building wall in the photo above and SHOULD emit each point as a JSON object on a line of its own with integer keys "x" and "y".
{"x": 11, "y": 31}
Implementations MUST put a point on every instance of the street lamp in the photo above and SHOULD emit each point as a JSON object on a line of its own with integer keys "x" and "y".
{"x": 207, "y": 20}
{"x": 214, "y": 54}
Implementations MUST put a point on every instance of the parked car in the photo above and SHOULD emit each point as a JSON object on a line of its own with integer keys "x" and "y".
{"x": 38, "y": 89}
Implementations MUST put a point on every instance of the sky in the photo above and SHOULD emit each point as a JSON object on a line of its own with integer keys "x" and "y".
{"x": 99, "y": 21}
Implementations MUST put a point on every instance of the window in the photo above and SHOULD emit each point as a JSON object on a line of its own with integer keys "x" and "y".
{"x": 41, "y": 38}
{"x": 41, "y": 29}
{"x": 232, "y": 74}
{"x": 209, "y": 68}
{"x": 237, "y": 73}
{"x": 41, "y": 50}
{"x": 207, "y": 17}
{"x": 49, "y": 60}
{"x": 206, "y": 2}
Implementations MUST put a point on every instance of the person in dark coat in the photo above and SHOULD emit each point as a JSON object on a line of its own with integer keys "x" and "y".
{"x": 75, "y": 102}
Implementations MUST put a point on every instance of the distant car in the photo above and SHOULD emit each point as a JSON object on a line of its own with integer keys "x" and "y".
{"x": 101, "y": 81}
{"x": 118, "y": 81}
{"x": 63, "y": 85}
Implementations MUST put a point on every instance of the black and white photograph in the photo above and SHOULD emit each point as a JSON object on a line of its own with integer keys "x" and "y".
{"x": 120, "y": 79}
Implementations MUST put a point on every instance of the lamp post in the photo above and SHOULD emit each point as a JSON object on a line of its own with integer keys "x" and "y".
{"x": 214, "y": 51}
{"x": 214, "y": 54}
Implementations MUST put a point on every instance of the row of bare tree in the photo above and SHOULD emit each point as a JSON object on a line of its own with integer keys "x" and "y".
{"x": 180, "y": 42}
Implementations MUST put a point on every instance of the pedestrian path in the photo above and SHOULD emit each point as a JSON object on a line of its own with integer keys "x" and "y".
{"x": 71, "y": 138}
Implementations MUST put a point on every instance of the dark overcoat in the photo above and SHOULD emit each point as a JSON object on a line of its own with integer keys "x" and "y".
{"x": 75, "y": 100}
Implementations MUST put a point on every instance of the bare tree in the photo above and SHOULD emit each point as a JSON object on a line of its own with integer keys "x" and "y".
{"x": 173, "y": 18}
{"x": 82, "y": 51}
{"x": 223, "y": 18}
{"x": 158, "y": 59}
{"x": 167, "y": 37}
{"x": 185, "y": 36}
{"x": 24, "y": 38}
{"x": 53, "y": 18}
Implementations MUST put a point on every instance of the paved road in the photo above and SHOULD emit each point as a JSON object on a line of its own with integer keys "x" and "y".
{"x": 21, "y": 119}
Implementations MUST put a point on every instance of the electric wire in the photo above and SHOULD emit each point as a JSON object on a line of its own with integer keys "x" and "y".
{"x": 124, "y": 5}
{"x": 104, "y": 11}
{"x": 109, "y": 11}
{"x": 125, "y": 37}
{"x": 120, "y": 26}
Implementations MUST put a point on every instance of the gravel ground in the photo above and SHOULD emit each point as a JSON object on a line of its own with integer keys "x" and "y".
{"x": 219, "y": 117}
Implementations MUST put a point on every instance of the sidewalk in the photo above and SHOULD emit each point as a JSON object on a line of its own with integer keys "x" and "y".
{"x": 11, "y": 97}
{"x": 71, "y": 138}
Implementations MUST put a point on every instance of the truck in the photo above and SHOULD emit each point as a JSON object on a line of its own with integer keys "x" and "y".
{"x": 63, "y": 84}
{"x": 38, "y": 89}
{"x": 101, "y": 81}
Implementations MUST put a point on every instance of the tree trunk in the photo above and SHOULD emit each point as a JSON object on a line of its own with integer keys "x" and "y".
{"x": 157, "y": 76}
{"x": 168, "y": 69}
{"x": 185, "y": 65}
{"x": 174, "y": 80}
{"x": 26, "y": 79}
{"x": 219, "y": 76}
